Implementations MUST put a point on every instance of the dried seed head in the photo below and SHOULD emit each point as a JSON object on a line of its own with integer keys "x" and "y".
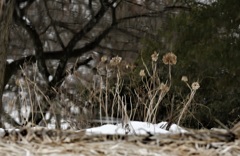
{"x": 184, "y": 79}
{"x": 169, "y": 58}
{"x": 115, "y": 61}
{"x": 195, "y": 86}
{"x": 142, "y": 73}
{"x": 154, "y": 56}
{"x": 104, "y": 59}
{"x": 164, "y": 87}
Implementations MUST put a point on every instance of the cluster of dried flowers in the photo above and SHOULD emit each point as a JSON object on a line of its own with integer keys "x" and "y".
{"x": 195, "y": 85}
{"x": 115, "y": 61}
{"x": 168, "y": 59}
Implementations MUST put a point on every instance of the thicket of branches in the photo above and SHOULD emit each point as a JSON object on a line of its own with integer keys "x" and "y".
{"x": 43, "y": 37}
{"x": 61, "y": 30}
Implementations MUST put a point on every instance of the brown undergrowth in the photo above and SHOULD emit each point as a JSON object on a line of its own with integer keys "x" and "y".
{"x": 120, "y": 91}
{"x": 55, "y": 142}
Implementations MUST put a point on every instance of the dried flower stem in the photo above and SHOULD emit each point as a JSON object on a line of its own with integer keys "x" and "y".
{"x": 186, "y": 106}
{"x": 144, "y": 64}
{"x": 170, "y": 75}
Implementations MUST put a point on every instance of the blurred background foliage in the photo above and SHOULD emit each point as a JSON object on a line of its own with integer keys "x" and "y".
{"x": 206, "y": 42}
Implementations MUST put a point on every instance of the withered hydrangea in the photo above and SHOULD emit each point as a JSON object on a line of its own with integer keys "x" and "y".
{"x": 142, "y": 73}
{"x": 115, "y": 61}
{"x": 164, "y": 88}
{"x": 184, "y": 79}
{"x": 154, "y": 56}
{"x": 195, "y": 86}
{"x": 169, "y": 59}
{"x": 104, "y": 59}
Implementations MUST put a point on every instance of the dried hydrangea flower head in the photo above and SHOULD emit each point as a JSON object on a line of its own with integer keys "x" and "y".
{"x": 115, "y": 61}
{"x": 195, "y": 86}
{"x": 169, "y": 59}
{"x": 164, "y": 88}
{"x": 104, "y": 59}
{"x": 154, "y": 56}
{"x": 142, "y": 73}
{"x": 184, "y": 79}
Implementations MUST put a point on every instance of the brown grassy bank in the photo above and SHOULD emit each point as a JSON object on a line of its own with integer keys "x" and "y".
{"x": 33, "y": 142}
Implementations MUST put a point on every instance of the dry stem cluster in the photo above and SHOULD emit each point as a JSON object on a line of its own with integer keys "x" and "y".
{"x": 121, "y": 95}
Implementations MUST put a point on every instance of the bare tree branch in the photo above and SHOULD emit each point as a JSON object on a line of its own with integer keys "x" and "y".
{"x": 25, "y": 23}
{"x": 54, "y": 26}
{"x": 72, "y": 43}
{"x": 155, "y": 13}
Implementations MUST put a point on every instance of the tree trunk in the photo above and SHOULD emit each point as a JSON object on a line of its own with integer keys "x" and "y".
{"x": 5, "y": 20}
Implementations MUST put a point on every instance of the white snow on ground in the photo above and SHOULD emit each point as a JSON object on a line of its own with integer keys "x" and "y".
{"x": 2, "y": 132}
{"x": 136, "y": 127}
{"x": 64, "y": 124}
{"x": 133, "y": 128}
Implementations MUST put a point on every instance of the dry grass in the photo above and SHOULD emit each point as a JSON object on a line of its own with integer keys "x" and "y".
{"x": 53, "y": 142}
{"x": 125, "y": 93}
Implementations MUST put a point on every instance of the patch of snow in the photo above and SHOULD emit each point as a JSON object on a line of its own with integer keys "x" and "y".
{"x": 64, "y": 124}
{"x": 206, "y": 1}
{"x": 14, "y": 113}
{"x": 23, "y": 95}
{"x": 47, "y": 116}
{"x": 2, "y": 132}
{"x": 25, "y": 110}
{"x": 173, "y": 128}
{"x": 51, "y": 35}
{"x": 23, "y": 5}
{"x": 74, "y": 110}
{"x": 106, "y": 129}
{"x": 136, "y": 127}
{"x": 6, "y": 87}
{"x": 133, "y": 127}
{"x": 9, "y": 61}
{"x": 50, "y": 78}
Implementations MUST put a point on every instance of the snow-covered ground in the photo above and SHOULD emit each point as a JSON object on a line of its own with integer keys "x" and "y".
{"x": 136, "y": 127}
{"x": 132, "y": 128}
